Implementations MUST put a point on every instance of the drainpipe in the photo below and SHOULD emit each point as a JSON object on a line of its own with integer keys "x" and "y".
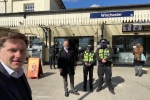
{"x": 5, "y": 5}
{"x": 102, "y": 29}
{"x": 46, "y": 32}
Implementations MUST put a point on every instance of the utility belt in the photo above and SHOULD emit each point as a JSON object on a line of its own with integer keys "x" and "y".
{"x": 108, "y": 63}
{"x": 87, "y": 62}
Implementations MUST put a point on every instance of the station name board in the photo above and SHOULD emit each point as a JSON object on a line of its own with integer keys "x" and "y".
{"x": 112, "y": 14}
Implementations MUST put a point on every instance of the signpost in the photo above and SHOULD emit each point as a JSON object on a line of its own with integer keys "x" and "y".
{"x": 34, "y": 68}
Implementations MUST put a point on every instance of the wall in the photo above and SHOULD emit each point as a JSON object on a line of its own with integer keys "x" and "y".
{"x": 18, "y": 5}
{"x": 2, "y": 6}
{"x": 54, "y": 5}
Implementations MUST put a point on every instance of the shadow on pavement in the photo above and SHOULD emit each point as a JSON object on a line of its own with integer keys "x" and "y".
{"x": 115, "y": 81}
{"x": 46, "y": 74}
{"x": 144, "y": 71}
{"x": 79, "y": 87}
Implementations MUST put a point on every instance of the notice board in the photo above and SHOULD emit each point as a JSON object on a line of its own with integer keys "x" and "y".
{"x": 34, "y": 68}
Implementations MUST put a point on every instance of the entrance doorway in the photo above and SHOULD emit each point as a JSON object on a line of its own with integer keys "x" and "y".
{"x": 78, "y": 44}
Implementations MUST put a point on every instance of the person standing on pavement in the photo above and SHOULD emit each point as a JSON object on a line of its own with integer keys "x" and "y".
{"x": 137, "y": 51}
{"x": 67, "y": 65}
{"x": 13, "y": 82}
{"x": 88, "y": 59}
{"x": 52, "y": 52}
{"x": 104, "y": 54}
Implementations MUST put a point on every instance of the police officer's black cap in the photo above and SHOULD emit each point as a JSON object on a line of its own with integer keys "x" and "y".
{"x": 103, "y": 40}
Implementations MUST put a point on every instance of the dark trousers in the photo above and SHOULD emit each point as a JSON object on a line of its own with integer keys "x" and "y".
{"x": 66, "y": 81}
{"x": 108, "y": 73}
{"x": 87, "y": 70}
{"x": 52, "y": 61}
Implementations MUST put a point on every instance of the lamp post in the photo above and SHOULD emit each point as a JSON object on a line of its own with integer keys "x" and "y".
{"x": 102, "y": 28}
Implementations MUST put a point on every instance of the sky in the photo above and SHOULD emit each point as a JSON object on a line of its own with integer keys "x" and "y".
{"x": 96, "y": 3}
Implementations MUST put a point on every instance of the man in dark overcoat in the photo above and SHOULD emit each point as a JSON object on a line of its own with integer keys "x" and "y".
{"x": 67, "y": 65}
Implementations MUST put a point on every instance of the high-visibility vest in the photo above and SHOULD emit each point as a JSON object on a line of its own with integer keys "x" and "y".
{"x": 104, "y": 53}
{"x": 88, "y": 56}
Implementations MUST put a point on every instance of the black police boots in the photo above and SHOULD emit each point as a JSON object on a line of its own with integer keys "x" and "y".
{"x": 98, "y": 89}
{"x": 74, "y": 92}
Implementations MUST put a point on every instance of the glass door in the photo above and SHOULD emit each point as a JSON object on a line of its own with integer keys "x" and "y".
{"x": 147, "y": 51}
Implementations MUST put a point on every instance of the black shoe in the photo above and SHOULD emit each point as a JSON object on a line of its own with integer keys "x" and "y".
{"x": 98, "y": 89}
{"x": 136, "y": 74}
{"x": 75, "y": 92}
{"x": 84, "y": 90}
{"x": 140, "y": 75}
{"x": 112, "y": 91}
{"x": 50, "y": 67}
{"x": 66, "y": 94}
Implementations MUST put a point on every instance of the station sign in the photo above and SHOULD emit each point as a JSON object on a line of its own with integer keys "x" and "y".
{"x": 112, "y": 14}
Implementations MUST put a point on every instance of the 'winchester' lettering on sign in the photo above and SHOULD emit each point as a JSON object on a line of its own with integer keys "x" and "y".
{"x": 112, "y": 14}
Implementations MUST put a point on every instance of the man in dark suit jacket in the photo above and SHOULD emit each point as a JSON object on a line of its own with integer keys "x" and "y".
{"x": 52, "y": 53}
{"x": 13, "y": 83}
{"x": 67, "y": 65}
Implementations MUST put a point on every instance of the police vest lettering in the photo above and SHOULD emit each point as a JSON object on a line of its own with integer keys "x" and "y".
{"x": 104, "y": 53}
{"x": 88, "y": 56}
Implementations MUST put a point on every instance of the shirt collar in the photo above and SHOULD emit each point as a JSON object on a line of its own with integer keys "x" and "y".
{"x": 13, "y": 73}
{"x": 65, "y": 48}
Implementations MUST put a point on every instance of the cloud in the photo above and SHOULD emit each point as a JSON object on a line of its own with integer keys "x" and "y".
{"x": 95, "y": 5}
{"x": 70, "y": 0}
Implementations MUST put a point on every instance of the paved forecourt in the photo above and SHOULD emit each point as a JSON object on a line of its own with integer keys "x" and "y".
{"x": 127, "y": 85}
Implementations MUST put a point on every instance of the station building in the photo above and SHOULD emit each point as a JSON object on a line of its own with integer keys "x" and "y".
{"x": 49, "y": 22}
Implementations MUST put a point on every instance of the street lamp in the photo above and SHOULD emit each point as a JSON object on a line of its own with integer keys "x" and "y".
{"x": 102, "y": 28}
{"x": 5, "y": 4}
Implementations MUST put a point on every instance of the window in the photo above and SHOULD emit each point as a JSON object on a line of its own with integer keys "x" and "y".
{"x": 126, "y": 27}
{"x": 29, "y": 7}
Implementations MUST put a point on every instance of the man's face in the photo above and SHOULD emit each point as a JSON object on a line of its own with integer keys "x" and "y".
{"x": 13, "y": 53}
{"x": 66, "y": 44}
{"x": 88, "y": 49}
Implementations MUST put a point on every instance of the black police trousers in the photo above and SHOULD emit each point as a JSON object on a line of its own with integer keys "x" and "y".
{"x": 86, "y": 70}
{"x": 108, "y": 73}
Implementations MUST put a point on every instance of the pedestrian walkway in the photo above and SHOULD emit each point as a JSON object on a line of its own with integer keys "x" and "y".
{"x": 127, "y": 85}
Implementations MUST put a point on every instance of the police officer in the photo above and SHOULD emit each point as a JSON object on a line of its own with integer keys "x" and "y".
{"x": 104, "y": 54}
{"x": 88, "y": 59}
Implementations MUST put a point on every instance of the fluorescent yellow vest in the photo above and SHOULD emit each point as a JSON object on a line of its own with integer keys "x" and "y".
{"x": 103, "y": 53}
{"x": 88, "y": 56}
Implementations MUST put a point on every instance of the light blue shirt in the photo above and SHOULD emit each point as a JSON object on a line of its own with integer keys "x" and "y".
{"x": 13, "y": 73}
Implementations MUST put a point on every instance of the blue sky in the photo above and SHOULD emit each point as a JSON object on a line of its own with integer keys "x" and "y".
{"x": 89, "y": 3}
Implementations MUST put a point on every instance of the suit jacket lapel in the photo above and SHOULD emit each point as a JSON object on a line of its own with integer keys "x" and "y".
{"x": 8, "y": 82}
